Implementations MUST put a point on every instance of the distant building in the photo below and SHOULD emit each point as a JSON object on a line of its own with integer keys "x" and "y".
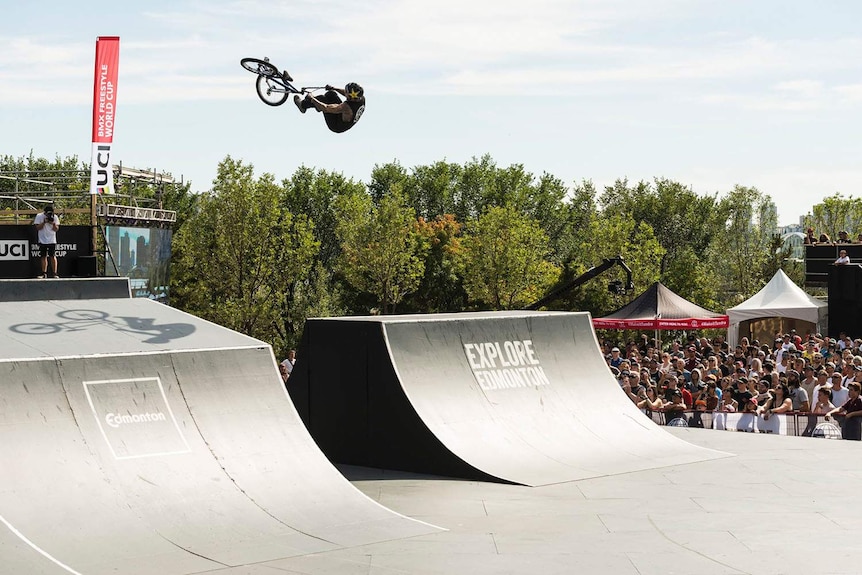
{"x": 792, "y": 237}
{"x": 125, "y": 259}
{"x": 141, "y": 256}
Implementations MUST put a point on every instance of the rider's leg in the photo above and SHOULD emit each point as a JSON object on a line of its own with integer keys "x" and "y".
{"x": 329, "y": 97}
{"x": 43, "y": 260}
{"x": 305, "y": 104}
{"x": 52, "y": 259}
{"x": 299, "y": 103}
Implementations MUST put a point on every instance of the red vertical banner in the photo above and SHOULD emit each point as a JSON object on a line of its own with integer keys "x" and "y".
{"x": 104, "y": 113}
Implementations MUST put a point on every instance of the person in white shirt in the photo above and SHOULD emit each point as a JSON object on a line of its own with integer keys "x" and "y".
{"x": 840, "y": 394}
{"x": 289, "y": 361}
{"x": 843, "y": 259}
{"x": 47, "y": 223}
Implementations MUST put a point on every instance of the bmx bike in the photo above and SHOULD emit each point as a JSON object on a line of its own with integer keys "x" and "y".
{"x": 273, "y": 87}
{"x": 78, "y": 319}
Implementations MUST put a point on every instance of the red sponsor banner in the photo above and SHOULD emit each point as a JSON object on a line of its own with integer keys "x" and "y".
{"x": 719, "y": 322}
{"x": 104, "y": 113}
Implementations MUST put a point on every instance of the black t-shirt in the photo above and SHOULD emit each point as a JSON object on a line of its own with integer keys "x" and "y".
{"x": 337, "y": 124}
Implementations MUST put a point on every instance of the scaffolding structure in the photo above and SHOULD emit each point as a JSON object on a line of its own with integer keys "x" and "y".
{"x": 25, "y": 193}
{"x": 29, "y": 191}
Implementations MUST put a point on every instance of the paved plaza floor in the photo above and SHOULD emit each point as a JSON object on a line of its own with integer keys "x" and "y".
{"x": 780, "y": 505}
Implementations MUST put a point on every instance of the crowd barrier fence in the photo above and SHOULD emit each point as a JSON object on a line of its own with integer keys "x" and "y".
{"x": 796, "y": 423}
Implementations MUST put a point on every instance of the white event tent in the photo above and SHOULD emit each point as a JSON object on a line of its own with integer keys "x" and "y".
{"x": 779, "y": 307}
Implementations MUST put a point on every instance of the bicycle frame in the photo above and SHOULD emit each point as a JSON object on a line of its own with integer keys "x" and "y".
{"x": 274, "y": 90}
{"x": 272, "y": 86}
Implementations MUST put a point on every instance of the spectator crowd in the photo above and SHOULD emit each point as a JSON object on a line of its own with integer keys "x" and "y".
{"x": 811, "y": 374}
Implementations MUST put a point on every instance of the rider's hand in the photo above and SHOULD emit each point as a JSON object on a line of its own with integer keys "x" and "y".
{"x": 328, "y": 87}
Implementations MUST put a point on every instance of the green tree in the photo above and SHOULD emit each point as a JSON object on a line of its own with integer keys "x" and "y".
{"x": 386, "y": 177}
{"x": 383, "y": 253}
{"x": 441, "y": 289}
{"x": 300, "y": 284}
{"x": 505, "y": 265}
{"x": 608, "y": 235}
{"x": 691, "y": 275}
{"x": 29, "y": 174}
{"x": 432, "y": 190}
{"x": 836, "y": 213}
{"x": 64, "y": 181}
{"x": 233, "y": 254}
{"x": 743, "y": 255}
{"x": 313, "y": 193}
{"x": 681, "y": 220}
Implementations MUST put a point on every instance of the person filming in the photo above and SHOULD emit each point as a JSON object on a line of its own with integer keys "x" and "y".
{"x": 47, "y": 223}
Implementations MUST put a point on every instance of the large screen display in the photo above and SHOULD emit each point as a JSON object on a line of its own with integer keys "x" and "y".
{"x": 144, "y": 256}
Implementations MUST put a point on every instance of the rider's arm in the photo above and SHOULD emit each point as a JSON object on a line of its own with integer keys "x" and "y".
{"x": 334, "y": 89}
{"x": 330, "y": 108}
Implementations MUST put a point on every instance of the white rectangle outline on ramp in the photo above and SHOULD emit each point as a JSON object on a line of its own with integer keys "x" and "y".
{"x": 167, "y": 405}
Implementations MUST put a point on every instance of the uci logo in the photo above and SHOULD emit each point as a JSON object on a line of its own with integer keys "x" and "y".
{"x": 14, "y": 250}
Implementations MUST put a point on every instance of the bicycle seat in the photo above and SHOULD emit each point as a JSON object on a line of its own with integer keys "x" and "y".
{"x": 286, "y": 76}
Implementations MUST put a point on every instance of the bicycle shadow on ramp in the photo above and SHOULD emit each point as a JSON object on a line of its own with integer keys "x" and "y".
{"x": 78, "y": 320}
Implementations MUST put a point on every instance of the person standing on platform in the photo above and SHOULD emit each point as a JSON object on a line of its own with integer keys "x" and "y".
{"x": 47, "y": 223}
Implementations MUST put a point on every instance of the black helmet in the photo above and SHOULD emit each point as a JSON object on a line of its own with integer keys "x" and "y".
{"x": 354, "y": 91}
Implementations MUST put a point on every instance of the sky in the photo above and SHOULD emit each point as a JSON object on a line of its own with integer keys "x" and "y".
{"x": 709, "y": 93}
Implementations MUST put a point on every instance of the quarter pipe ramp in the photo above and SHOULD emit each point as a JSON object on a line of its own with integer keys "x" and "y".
{"x": 138, "y": 439}
{"x": 523, "y": 397}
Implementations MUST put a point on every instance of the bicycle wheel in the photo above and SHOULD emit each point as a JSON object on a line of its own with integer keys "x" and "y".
{"x": 82, "y": 314}
{"x": 271, "y": 91}
{"x": 259, "y": 67}
{"x": 35, "y": 328}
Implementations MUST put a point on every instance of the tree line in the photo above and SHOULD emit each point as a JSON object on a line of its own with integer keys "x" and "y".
{"x": 260, "y": 256}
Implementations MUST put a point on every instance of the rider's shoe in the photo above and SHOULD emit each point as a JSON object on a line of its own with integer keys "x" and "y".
{"x": 298, "y": 102}
{"x": 40, "y": 277}
{"x": 286, "y": 76}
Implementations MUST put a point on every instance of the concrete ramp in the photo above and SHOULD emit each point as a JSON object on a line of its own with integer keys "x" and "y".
{"x": 137, "y": 439}
{"x": 523, "y": 397}
{"x": 65, "y": 288}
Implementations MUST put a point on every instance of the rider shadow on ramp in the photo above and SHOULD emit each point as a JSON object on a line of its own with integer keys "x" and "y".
{"x": 76, "y": 320}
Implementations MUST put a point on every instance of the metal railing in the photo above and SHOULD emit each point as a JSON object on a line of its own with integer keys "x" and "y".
{"x": 796, "y": 423}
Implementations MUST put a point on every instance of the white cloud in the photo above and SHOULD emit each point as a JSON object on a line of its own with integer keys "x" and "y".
{"x": 849, "y": 93}
{"x": 479, "y": 47}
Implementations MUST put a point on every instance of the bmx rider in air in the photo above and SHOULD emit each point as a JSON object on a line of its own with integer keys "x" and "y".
{"x": 340, "y": 114}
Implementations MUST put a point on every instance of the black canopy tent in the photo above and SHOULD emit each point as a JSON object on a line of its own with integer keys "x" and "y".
{"x": 660, "y": 308}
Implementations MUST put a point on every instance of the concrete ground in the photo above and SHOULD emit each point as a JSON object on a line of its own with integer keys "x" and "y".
{"x": 781, "y": 505}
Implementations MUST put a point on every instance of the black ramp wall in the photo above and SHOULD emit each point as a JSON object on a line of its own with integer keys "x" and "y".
{"x": 347, "y": 391}
{"x": 524, "y": 397}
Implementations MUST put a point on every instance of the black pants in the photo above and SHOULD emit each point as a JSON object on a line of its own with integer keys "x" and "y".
{"x": 330, "y": 97}
{"x": 47, "y": 250}
{"x": 333, "y": 121}
{"x": 852, "y": 428}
